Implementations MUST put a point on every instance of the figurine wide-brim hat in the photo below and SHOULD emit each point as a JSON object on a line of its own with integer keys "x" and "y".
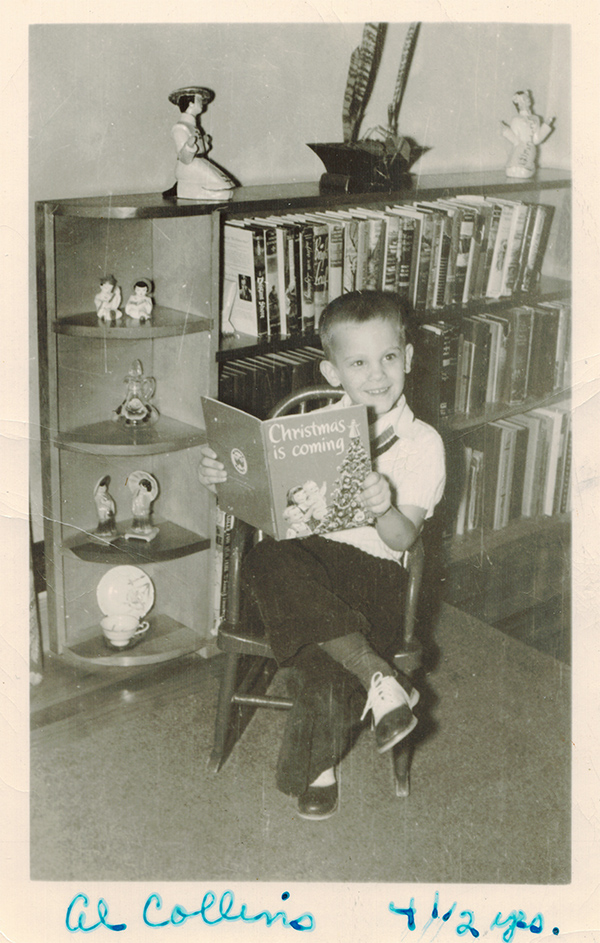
{"x": 207, "y": 94}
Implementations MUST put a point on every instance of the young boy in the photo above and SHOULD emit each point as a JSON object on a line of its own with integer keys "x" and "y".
{"x": 329, "y": 603}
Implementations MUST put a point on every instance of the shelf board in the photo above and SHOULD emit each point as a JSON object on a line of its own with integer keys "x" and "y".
{"x": 493, "y": 411}
{"x": 166, "y": 639}
{"x": 476, "y": 543}
{"x": 115, "y": 438}
{"x": 166, "y": 322}
{"x": 234, "y": 346}
{"x": 548, "y": 289}
{"x": 171, "y": 543}
{"x": 274, "y": 198}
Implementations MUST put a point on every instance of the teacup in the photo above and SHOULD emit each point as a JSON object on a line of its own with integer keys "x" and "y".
{"x": 119, "y": 630}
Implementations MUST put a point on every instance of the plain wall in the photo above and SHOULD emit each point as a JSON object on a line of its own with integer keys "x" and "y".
{"x": 100, "y": 117}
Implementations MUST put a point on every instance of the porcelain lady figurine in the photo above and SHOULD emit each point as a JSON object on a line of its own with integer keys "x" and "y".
{"x": 139, "y": 305}
{"x": 198, "y": 178}
{"x": 144, "y": 488}
{"x": 525, "y": 132}
{"x": 105, "y": 506}
{"x": 108, "y": 299}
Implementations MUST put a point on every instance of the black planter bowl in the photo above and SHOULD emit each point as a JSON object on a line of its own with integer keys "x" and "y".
{"x": 358, "y": 168}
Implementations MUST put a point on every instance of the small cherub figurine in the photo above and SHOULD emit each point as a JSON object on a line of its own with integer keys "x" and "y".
{"x": 524, "y": 132}
{"x": 108, "y": 299}
{"x": 198, "y": 177}
{"x": 106, "y": 509}
{"x": 144, "y": 488}
{"x": 139, "y": 305}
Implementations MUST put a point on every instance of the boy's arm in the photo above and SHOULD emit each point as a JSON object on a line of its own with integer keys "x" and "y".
{"x": 398, "y": 527}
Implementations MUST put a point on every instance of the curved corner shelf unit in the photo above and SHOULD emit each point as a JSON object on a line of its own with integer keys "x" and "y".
{"x": 165, "y": 322}
{"x": 166, "y": 639}
{"x": 80, "y": 240}
{"x": 171, "y": 543}
{"x": 115, "y": 438}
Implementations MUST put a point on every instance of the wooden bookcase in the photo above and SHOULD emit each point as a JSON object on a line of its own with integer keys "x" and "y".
{"x": 83, "y": 363}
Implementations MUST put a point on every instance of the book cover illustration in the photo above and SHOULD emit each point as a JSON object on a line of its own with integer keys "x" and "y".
{"x": 295, "y": 475}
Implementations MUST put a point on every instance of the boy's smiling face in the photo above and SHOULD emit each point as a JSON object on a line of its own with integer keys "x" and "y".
{"x": 370, "y": 361}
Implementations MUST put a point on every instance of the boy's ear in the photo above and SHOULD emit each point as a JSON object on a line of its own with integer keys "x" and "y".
{"x": 408, "y": 356}
{"x": 330, "y": 373}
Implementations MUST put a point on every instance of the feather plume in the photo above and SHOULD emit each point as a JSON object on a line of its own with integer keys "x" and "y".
{"x": 364, "y": 63}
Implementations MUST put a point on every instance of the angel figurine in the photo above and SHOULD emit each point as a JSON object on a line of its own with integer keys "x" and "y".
{"x": 144, "y": 488}
{"x": 524, "y": 132}
{"x": 198, "y": 177}
{"x": 108, "y": 299}
{"x": 139, "y": 304}
{"x": 105, "y": 506}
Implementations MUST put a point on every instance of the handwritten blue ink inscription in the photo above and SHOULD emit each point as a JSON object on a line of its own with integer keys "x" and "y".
{"x": 102, "y": 910}
{"x": 516, "y": 920}
{"x": 210, "y": 911}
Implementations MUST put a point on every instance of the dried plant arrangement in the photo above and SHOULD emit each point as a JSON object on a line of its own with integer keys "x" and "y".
{"x": 381, "y": 159}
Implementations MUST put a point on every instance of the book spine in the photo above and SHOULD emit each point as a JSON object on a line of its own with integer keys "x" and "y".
{"x": 362, "y": 255}
{"x": 225, "y": 568}
{"x": 375, "y": 248}
{"x": 308, "y": 278}
{"x": 518, "y": 480}
{"x": 321, "y": 270}
{"x": 424, "y": 263}
{"x": 272, "y": 282}
{"x": 461, "y": 516}
{"x": 444, "y": 258}
{"x": 350, "y": 255}
{"x": 537, "y": 246}
{"x": 436, "y": 240}
{"x": 260, "y": 276}
{"x": 492, "y": 236}
{"x": 518, "y": 354}
{"x": 405, "y": 253}
{"x": 562, "y": 349}
{"x": 511, "y": 265}
{"x": 565, "y": 498}
{"x": 503, "y": 487}
{"x": 524, "y": 254}
{"x": 336, "y": 260}
{"x": 494, "y": 284}
{"x": 463, "y": 256}
{"x": 391, "y": 253}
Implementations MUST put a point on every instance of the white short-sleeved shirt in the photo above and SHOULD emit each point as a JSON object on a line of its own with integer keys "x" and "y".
{"x": 414, "y": 466}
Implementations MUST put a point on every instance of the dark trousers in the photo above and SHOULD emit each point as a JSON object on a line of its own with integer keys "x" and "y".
{"x": 305, "y": 592}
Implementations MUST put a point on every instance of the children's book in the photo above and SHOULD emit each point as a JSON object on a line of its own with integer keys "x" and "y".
{"x": 292, "y": 476}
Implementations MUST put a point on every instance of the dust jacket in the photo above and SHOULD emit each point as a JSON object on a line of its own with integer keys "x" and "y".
{"x": 295, "y": 475}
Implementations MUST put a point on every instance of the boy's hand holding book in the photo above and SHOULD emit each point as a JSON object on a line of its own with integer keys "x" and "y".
{"x": 211, "y": 472}
{"x": 376, "y": 494}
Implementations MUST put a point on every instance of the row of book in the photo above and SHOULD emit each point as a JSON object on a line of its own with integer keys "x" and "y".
{"x": 519, "y": 353}
{"x": 516, "y": 468}
{"x": 281, "y": 271}
{"x": 256, "y": 384}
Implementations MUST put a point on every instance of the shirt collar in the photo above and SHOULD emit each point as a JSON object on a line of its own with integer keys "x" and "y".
{"x": 400, "y": 418}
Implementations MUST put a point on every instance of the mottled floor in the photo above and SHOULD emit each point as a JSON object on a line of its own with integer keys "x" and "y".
{"x": 120, "y": 792}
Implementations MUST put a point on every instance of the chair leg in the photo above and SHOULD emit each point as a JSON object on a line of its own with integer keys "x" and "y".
{"x": 224, "y": 705}
{"x": 401, "y": 758}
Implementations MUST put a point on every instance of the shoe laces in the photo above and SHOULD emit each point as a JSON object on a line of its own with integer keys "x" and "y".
{"x": 385, "y": 694}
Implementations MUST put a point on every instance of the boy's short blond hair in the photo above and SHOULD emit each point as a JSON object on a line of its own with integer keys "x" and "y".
{"x": 360, "y": 307}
